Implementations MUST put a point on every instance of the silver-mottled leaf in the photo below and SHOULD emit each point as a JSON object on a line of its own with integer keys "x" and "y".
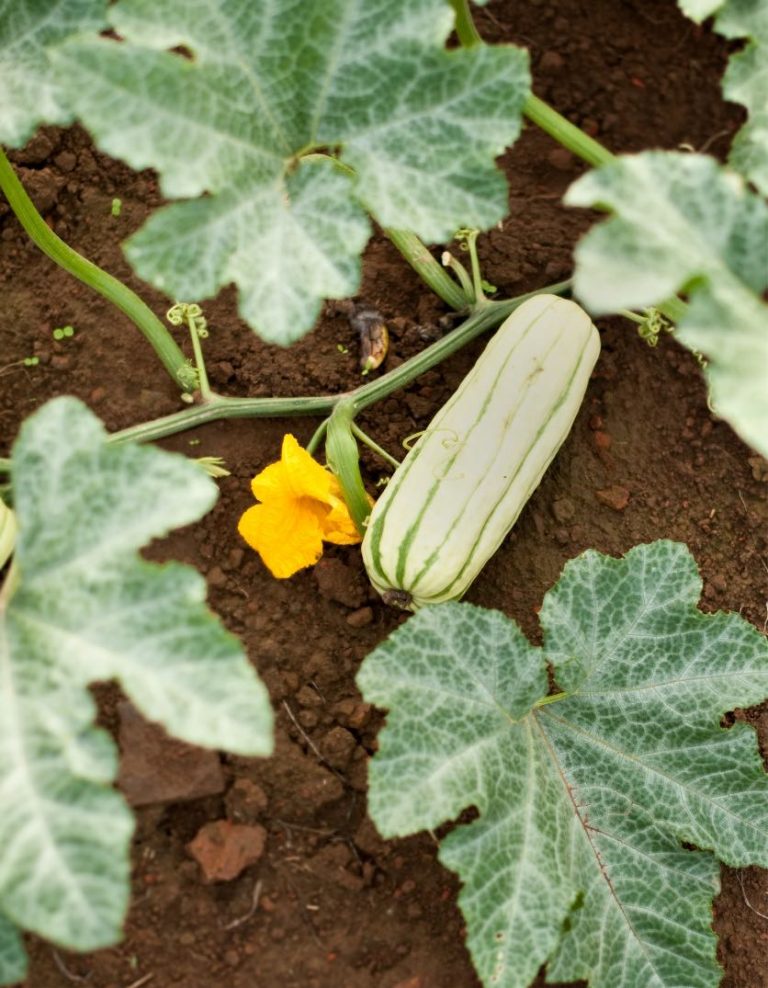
{"x": 13, "y": 960}
{"x": 577, "y": 858}
{"x": 268, "y": 87}
{"x": 683, "y": 223}
{"x": 30, "y": 93}
{"x": 86, "y": 608}
{"x": 699, "y": 10}
{"x": 746, "y": 80}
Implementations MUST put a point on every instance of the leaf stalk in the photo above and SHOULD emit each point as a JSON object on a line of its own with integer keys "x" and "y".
{"x": 428, "y": 269}
{"x": 90, "y": 274}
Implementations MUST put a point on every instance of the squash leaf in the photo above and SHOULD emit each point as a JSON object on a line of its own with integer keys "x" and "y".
{"x": 13, "y": 960}
{"x": 80, "y": 606}
{"x": 699, "y": 10}
{"x": 30, "y": 93}
{"x": 746, "y": 80}
{"x": 282, "y": 125}
{"x": 683, "y": 223}
{"x": 588, "y": 805}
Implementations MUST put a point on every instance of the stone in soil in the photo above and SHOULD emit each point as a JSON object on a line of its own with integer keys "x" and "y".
{"x": 156, "y": 768}
{"x": 224, "y": 849}
{"x": 246, "y": 801}
{"x": 615, "y": 496}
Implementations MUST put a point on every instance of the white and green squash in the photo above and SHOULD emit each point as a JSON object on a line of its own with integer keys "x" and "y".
{"x": 459, "y": 491}
{"x": 8, "y": 530}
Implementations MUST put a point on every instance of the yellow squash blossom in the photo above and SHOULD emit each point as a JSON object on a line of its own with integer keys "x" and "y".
{"x": 301, "y": 506}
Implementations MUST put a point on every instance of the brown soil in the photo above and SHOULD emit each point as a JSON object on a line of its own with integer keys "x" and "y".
{"x": 337, "y": 906}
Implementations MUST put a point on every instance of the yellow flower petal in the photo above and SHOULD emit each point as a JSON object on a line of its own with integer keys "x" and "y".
{"x": 286, "y": 533}
{"x": 338, "y": 526}
{"x": 296, "y": 475}
{"x": 302, "y": 505}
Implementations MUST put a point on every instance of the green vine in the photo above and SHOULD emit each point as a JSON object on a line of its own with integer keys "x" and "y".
{"x": 90, "y": 274}
{"x": 220, "y": 407}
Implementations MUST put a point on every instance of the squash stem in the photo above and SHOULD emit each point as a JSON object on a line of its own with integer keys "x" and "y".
{"x": 343, "y": 458}
{"x": 632, "y": 316}
{"x": 552, "y": 698}
{"x": 428, "y": 269}
{"x": 477, "y": 278}
{"x": 372, "y": 444}
{"x": 5, "y": 465}
{"x": 566, "y": 133}
{"x": 449, "y": 261}
{"x": 317, "y": 437}
{"x": 90, "y": 274}
{"x": 675, "y": 309}
{"x": 466, "y": 31}
{"x": 221, "y": 407}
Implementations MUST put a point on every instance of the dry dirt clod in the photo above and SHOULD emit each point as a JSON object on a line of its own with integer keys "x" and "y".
{"x": 337, "y": 747}
{"x": 155, "y": 768}
{"x": 615, "y": 496}
{"x": 224, "y": 849}
{"x": 246, "y": 801}
{"x": 563, "y": 509}
{"x": 360, "y": 618}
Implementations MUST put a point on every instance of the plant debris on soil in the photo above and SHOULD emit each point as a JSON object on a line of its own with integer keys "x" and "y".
{"x": 267, "y": 872}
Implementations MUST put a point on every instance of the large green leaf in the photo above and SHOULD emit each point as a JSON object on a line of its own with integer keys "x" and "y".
{"x": 13, "y": 960}
{"x": 683, "y": 223}
{"x": 30, "y": 95}
{"x": 699, "y": 10}
{"x": 83, "y": 607}
{"x": 746, "y": 81}
{"x": 272, "y": 85}
{"x": 577, "y": 857}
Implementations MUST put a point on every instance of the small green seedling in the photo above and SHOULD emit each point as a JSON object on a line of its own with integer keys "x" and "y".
{"x": 63, "y": 332}
{"x": 117, "y": 207}
{"x": 24, "y": 362}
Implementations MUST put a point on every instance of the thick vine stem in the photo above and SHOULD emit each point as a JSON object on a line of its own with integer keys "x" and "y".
{"x": 90, "y": 274}
{"x": 466, "y": 31}
{"x": 566, "y": 133}
{"x": 358, "y": 433}
{"x": 428, "y": 269}
{"x": 5, "y": 465}
{"x": 219, "y": 407}
{"x": 343, "y": 458}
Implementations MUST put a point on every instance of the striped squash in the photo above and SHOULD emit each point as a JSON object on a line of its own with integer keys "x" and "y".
{"x": 7, "y": 532}
{"x": 449, "y": 505}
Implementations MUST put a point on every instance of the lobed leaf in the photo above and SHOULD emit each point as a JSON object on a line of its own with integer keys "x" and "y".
{"x": 746, "y": 80}
{"x": 699, "y": 10}
{"x": 293, "y": 121}
{"x": 682, "y": 223}
{"x": 31, "y": 95}
{"x": 577, "y": 858}
{"x": 13, "y": 960}
{"x": 87, "y": 608}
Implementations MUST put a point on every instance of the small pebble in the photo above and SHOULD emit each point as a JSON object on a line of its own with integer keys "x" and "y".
{"x": 561, "y": 159}
{"x": 615, "y": 496}
{"x": 603, "y": 440}
{"x": 360, "y": 618}
{"x": 216, "y": 577}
